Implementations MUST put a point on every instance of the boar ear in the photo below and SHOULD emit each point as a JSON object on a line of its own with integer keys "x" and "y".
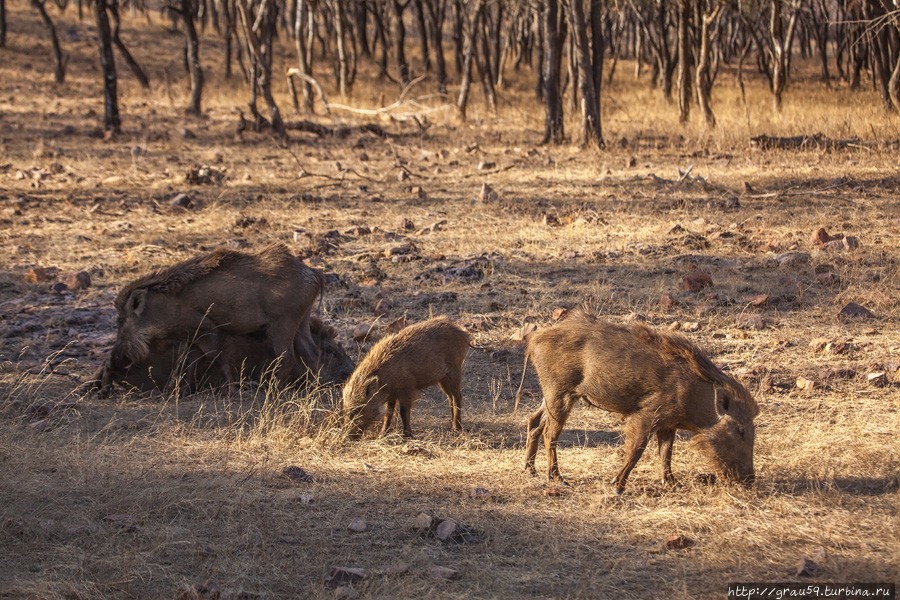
{"x": 138, "y": 302}
{"x": 722, "y": 400}
{"x": 371, "y": 386}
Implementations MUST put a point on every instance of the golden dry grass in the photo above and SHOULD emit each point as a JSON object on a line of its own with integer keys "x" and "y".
{"x": 144, "y": 497}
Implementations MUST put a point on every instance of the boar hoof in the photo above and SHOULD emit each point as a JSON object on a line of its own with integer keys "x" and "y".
{"x": 619, "y": 490}
{"x": 531, "y": 470}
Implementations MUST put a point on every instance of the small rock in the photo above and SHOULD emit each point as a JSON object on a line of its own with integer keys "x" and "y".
{"x": 181, "y": 201}
{"x": 339, "y": 576}
{"x": 187, "y": 133}
{"x": 818, "y": 344}
{"x": 446, "y": 529}
{"x": 553, "y": 492}
{"x": 402, "y": 175}
{"x": 677, "y": 541}
{"x": 362, "y": 331}
{"x": 838, "y": 347}
{"x": 851, "y": 242}
{"x": 792, "y": 259}
{"x": 834, "y": 245}
{"x": 443, "y": 573}
{"x": 696, "y": 280}
{"x": 807, "y": 385}
{"x": 488, "y": 194}
{"x": 208, "y": 590}
{"x": 78, "y": 281}
{"x": 690, "y": 326}
{"x": 41, "y": 274}
{"x": 295, "y": 473}
{"x": 807, "y": 568}
{"x": 358, "y": 525}
{"x": 480, "y": 493}
{"x": 486, "y": 164}
{"x": 59, "y": 287}
{"x": 398, "y": 250}
{"x": 760, "y": 300}
{"x": 836, "y": 373}
{"x": 344, "y": 591}
{"x": 853, "y": 309}
{"x": 751, "y": 321}
{"x": 423, "y": 521}
{"x": 406, "y": 224}
{"x": 820, "y": 237}
{"x": 667, "y": 302}
{"x": 878, "y": 379}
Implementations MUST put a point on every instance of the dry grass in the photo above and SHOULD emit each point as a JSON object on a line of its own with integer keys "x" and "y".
{"x": 144, "y": 497}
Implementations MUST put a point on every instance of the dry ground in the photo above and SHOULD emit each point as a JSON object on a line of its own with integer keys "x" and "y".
{"x": 144, "y": 497}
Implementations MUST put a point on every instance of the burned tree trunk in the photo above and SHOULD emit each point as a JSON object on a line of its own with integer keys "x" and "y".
{"x": 554, "y": 127}
{"x": 590, "y": 104}
{"x": 111, "y": 120}
{"x": 58, "y": 56}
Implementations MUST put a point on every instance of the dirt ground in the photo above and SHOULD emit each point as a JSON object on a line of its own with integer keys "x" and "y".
{"x": 149, "y": 496}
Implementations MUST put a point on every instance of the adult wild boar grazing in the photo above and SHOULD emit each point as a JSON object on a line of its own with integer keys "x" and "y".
{"x": 398, "y": 367}
{"x": 269, "y": 295}
{"x": 658, "y": 382}
{"x": 250, "y": 357}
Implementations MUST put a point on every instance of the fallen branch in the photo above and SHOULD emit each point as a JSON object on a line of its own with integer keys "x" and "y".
{"x": 340, "y": 131}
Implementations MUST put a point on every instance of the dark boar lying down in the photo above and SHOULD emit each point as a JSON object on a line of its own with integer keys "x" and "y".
{"x": 658, "y": 382}
{"x": 217, "y": 304}
{"x": 398, "y": 367}
{"x": 244, "y": 358}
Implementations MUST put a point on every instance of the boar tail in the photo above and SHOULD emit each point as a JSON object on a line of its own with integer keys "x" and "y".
{"x": 521, "y": 381}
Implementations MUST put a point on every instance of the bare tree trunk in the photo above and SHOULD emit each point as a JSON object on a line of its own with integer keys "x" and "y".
{"x": 381, "y": 38}
{"x": 782, "y": 40}
{"x": 360, "y": 15}
{"x": 343, "y": 68}
{"x": 123, "y": 50}
{"x": 259, "y": 32}
{"x": 459, "y": 37}
{"x": 468, "y": 56}
{"x": 2, "y": 23}
{"x": 227, "y": 11}
{"x": 485, "y": 71}
{"x": 539, "y": 46}
{"x": 300, "y": 21}
{"x": 436, "y": 11}
{"x": 187, "y": 11}
{"x": 554, "y": 126}
{"x": 58, "y": 56}
{"x": 400, "y": 41}
{"x": 590, "y": 105}
{"x": 894, "y": 85}
{"x": 423, "y": 34}
{"x": 684, "y": 60}
{"x": 111, "y": 120}
{"x": 708, "y": 20}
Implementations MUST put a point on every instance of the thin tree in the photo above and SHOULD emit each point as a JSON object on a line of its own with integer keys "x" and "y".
{"x": 590, "y": 103}
{"x": 187, "y": 12}
{"x": 685, "y": 59}
{"x": 111, "y": 120}
{"x": 58, "y": 56}
{"x": 554, "y": 36}
{"x": 2, "y": 23}
{"x": 123, "y": 49}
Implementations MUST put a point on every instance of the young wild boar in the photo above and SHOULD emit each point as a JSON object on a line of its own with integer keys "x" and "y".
{"x": 224, "y": 293}
{"x": 658, "y": 382}
{"x": 398, "y": 367}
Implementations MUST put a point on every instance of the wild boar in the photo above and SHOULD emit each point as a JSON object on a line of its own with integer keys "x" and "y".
{"x": 399, "y": 366}
{"x": 223, "y": 293}
{"x": 659, "y": 383}
{"x": 245, "y": 357}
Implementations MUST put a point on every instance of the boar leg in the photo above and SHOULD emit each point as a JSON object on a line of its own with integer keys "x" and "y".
{"x": 638, "y": 430}
{"x": 452, "y": 386}
{"x": 665, "y": 438}
{"x": 535, "y": 432}
{"x": 390, "y": 406}
{"x": 281, "y": 335}
{"x": 405, "y": 408}
{"x": 557, "y": 411}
